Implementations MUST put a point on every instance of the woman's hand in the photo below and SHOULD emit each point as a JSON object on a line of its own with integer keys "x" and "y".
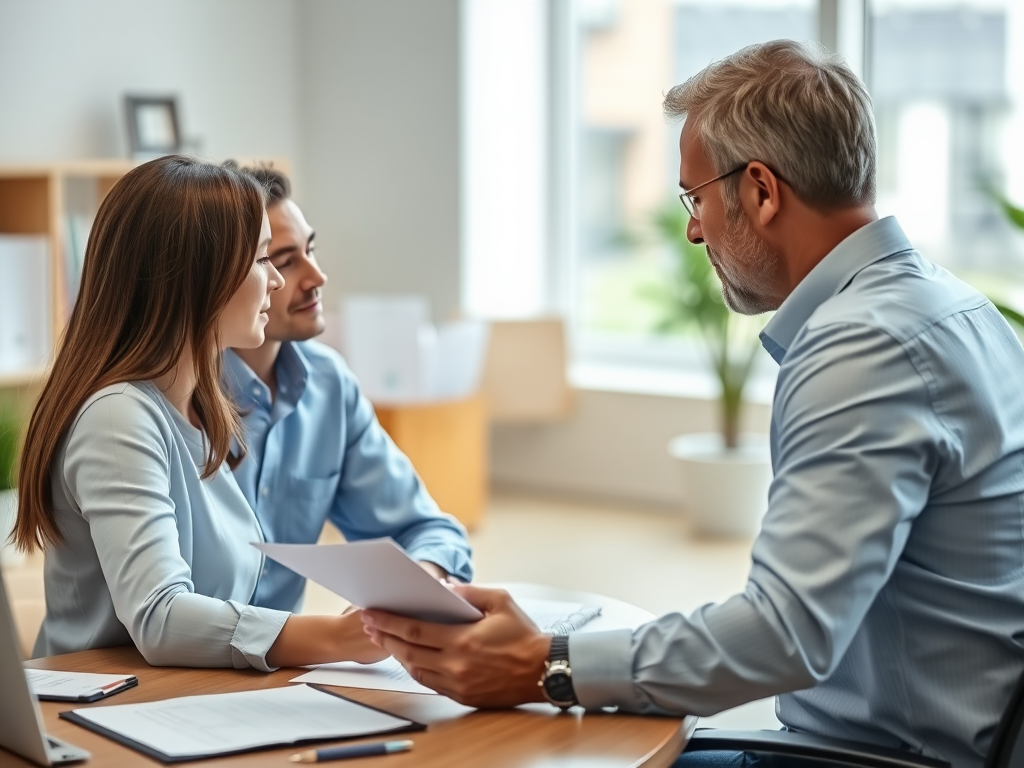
{"x": 355, "y": 644}
{"x": 307, "y": 640}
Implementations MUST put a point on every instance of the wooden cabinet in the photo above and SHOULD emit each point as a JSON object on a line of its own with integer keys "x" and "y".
{"x": 447, "y": 444}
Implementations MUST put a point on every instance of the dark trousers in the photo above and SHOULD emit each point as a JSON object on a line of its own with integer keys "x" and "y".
{"x": 715, "y": 759}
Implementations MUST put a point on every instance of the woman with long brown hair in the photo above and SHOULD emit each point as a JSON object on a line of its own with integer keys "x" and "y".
{"x": 124, "y": 477}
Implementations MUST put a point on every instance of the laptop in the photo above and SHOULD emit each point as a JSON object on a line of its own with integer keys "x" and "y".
{"x": 21, "y": 723}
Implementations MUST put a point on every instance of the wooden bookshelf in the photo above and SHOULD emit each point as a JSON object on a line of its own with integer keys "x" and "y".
{"x": 41, "y": 199}
{"x": 37, "y": 199}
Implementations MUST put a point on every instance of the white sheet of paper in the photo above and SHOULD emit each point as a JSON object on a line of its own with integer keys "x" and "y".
{"x": 226, "y": 722}
{"x": 45, "y": 682}
{"x": 389, "y": 675}
{"x": 375, "y": 573}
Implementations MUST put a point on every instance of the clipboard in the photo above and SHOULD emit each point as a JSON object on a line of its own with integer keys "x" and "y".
{"x": 74, "y": 716}
{"x": 128, "y": 682}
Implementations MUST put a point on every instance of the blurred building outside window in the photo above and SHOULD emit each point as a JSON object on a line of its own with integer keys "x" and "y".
{"x": 947, "y": 80}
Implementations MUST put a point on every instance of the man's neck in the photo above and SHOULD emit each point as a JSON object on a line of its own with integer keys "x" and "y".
{"x": 263, "y": 362}
{"x": 820, "y": 235}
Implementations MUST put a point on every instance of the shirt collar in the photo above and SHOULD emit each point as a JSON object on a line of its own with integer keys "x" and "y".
{"x": 247, "y": 387}
{"x": 872, "y": 242}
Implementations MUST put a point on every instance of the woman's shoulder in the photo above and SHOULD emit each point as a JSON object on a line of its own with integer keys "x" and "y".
{"x": 126, "y": 404}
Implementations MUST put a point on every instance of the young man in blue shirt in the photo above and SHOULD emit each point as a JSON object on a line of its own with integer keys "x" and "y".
{"x": 315, "y": 449}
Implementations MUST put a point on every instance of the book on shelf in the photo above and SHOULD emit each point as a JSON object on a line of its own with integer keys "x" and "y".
{"x": 77, "y": 236}
{"x": 24, "y": 302}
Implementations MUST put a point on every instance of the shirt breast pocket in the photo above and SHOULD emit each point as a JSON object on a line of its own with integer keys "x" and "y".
{"x": 308, "y": 503}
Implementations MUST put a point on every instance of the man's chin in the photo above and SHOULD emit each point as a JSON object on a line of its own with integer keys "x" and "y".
{"x": 746, "y": 303}
{"x": 297, "y": 331}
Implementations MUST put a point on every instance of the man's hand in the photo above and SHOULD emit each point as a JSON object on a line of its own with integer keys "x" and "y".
{"x": 495, "y": 662}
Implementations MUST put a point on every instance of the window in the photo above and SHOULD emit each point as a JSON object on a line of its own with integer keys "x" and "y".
{"x": 948, "y": 87}
{"x": 630, "y": 53}
{"x": 947, "y": 79}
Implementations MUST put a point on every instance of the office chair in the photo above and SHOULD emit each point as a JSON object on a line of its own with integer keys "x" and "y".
{"x": 1007, "y": 750}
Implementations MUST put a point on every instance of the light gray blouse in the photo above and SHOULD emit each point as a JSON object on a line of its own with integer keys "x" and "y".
{"x": 152, "y": 554}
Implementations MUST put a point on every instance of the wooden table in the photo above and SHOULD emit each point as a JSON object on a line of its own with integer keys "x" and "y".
{"x": 534, "y": 735}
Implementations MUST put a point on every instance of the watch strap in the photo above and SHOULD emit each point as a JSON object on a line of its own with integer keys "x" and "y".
{"x": 559, "y": 648}
{"x": 557, "y": 679}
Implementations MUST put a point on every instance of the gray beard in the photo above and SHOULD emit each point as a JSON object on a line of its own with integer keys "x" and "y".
{"x": 751, "y": 292}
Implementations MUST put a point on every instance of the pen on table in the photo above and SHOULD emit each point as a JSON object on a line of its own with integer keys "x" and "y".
{"x": 359, "y": 750}
{"x": 116, "y": 684}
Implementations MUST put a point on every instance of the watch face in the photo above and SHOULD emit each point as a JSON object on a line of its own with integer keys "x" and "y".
{"x": 558, "y": 687}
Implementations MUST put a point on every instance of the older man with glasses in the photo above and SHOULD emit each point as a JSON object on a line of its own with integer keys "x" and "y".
{"x": 885, "y": 601}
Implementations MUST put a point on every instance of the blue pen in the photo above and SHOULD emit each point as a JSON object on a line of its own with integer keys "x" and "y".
{"x": 359, "y": 750}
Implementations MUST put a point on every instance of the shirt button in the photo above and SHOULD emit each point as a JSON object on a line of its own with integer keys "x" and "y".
{"x": 264, "y": 491}
{"x": 264, "y": 573}
{"x": 256, "y": 391}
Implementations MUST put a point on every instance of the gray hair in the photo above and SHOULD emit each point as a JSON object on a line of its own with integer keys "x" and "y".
{"x": 795, "y": 107}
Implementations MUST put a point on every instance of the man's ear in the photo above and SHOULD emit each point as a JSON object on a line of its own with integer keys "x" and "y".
{"x": 763, "y": 192}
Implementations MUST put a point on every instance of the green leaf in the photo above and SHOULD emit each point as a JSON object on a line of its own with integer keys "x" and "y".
{"x": 1013, "y": 213}
{"x": 9, "y": 430}
{"x": 1012, "y": 315}
{"x": 1016, "y": 215}
{"x": 692, "y": 296}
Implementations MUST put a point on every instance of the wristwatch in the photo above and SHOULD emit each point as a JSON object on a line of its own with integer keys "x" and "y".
{"x": 556, "y": 681}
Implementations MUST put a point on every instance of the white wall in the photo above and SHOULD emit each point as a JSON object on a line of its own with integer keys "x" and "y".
{"x": 362, "y": 97}
{"x": 614, "y": 445}
{"x": 379, "y": 155}
{"x": 65, "y": 67}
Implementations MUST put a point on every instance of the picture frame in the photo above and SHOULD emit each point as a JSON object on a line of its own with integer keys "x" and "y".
{"x": 152, "y": 125}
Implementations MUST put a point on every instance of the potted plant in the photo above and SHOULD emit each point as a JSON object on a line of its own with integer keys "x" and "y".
{"x": 9, "y": 427}
{"x": 725, "y": 475}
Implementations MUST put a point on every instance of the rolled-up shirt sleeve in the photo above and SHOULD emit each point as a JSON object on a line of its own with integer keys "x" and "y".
{"x": 116, "y": 468}
{"x": 853, "y": 461}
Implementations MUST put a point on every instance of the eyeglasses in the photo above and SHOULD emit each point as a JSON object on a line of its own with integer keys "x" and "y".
{"x": 686, "y": 196}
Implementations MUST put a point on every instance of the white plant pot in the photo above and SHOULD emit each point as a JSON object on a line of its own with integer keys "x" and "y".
{"x": 8, "y": 513}
{"x": 725, "y": 491}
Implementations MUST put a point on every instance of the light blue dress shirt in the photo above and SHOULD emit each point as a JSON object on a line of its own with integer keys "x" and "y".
{"x": 315, "y": 453}
{"x": 886, "y": 594}
{"x": 152, "y": 554}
